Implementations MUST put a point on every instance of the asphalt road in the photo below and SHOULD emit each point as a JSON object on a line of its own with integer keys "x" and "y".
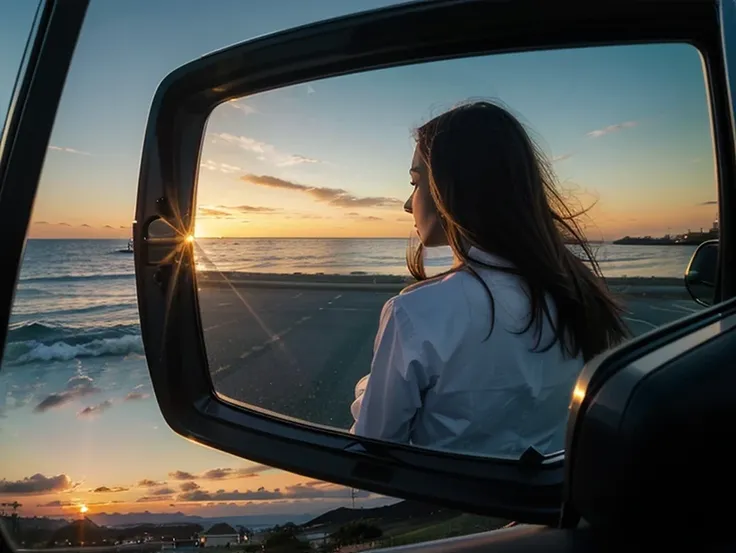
{"x": 299, "y": 352}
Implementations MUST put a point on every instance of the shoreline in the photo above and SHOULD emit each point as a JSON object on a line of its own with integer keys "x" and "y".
{"x": 626, "y": 286}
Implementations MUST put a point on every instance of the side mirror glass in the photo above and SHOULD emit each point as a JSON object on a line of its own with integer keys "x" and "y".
{"x": 701, "y": 273}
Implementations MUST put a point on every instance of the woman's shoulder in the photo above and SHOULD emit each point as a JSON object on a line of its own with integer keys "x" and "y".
{"x": 445, "y": 292}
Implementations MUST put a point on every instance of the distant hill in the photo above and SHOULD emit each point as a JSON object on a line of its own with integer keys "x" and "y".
{"x": 397, "y": 512}
{"x": 122, "y": 520}
{"x": 79, "y": 531}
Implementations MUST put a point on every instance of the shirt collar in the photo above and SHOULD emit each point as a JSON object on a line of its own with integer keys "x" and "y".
{"x": 478, "y": 255}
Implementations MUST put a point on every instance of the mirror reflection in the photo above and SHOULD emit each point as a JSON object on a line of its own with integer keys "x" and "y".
{"x": 379, "y": 254}
{"x": 700, "y": 276}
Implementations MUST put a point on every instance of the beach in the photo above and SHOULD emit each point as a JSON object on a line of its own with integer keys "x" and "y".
{"x": 296, "y": 344}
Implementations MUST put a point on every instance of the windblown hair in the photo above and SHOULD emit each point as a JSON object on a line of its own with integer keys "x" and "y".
{"x": 495, "y": 190}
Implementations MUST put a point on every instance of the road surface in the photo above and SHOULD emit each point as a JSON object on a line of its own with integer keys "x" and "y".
{"x": 299, "y": 352}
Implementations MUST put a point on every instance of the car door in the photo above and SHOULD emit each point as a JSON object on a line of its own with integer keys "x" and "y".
{"x": 530, "y": 490}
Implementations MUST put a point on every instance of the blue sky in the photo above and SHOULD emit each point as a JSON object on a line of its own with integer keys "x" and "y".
{"x": 360, "y": 125}
{"x": 626, "y": 125}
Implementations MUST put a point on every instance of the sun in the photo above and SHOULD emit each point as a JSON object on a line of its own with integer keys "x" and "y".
{"x": 83, "y": 509}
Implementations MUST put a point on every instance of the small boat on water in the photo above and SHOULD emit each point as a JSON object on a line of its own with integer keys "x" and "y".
{"x": 129, "y": 249}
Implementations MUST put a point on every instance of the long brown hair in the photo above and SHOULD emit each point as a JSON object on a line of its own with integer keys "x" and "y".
{"x": 494, "y": 189}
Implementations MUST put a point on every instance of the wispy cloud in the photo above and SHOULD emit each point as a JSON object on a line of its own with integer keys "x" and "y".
{"x": 133, "y": 396}
{"x": 249, "y": 208}
{"x": 709, "y": 202}
{"x": 296, "y": 159}
{"x": 240, "y": 106}
{"x": 211, "y": 213}
{"x": 220, "y": 473}
{"x": 264, "y": 151}
{"x": 148, "y": 483}
{"x": 106, "y": 489}
{"x": 332, "y": 196}
{"x": 221, "y": 167}
{"x": 77, "y": 387}
{"x": 308, "y": 490}
{"x": 94, "y": 410}
{"x": 611, "y": 129}
{"x": 354, "y": 215}
{"x": 69, "y": 150}
{"x": 562, "y": 157}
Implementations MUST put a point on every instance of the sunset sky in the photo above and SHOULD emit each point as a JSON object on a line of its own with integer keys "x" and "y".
{"x": 626, "y": 126}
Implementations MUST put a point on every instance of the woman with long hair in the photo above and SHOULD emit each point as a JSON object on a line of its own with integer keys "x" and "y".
{"x": 483, "y": 358}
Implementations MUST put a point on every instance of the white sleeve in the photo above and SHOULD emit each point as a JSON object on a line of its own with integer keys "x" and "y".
{"x": 386, "y": 408}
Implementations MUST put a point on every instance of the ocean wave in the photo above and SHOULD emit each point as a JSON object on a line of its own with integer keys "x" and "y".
{"x": 62, "y": 279}
{"x": 36, "y": 341}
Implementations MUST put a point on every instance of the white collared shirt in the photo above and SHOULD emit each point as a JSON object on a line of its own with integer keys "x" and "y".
{"x": 435, "y": 381}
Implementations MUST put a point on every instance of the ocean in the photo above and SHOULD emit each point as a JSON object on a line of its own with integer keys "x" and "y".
{"x": 74, "y": 348}
{"x": 76, "y": 298}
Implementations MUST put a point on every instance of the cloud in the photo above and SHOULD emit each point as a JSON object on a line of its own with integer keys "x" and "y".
{"x": 106, "y": 489}
{"x": 134, "y": 396}
{"x": 709, "y": 202}
{"x": 263, "y": 150}
{"x": 36, "y": 484}
{"x": 189, "y": 486}
{"x": 149, "y": 498}
{"x": 147, "y": 483}
{"x": 163, "y": 491}
{"x": 354, "y": 215}
{"x": 57, "y": 503}
{"x": 562, "y": 157}
{"x": 41, "y": 223}
{"x": 332, "y": 196}
{"x": 69, "y": 150}
{"x": 77, "y": 387}
{"x": 63, "y": 224}
{"x": 249, "y": 208}
{"x": 308, "y": 490}
{"x": 181, "y": 475}
{"x": 210, "y": 213}
{"x": 310, "y": 89}
{"x": 297, "y": 160}
{"x": 245, "y": 108}
{"x": 611, "y": 129}
{"x": 221, "y": 167}
{"x": 228, "y": 473}
{"x": 220, "y": 473}
{"x": 95, "y": 409}
{"x": 108, "y": 226}
{"x": 85, "y": 225}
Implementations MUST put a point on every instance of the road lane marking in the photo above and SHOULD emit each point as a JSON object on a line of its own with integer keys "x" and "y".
{"x": 655, "y": 308}
{"x": 218, "y": 325}
{"x": 633, "y": 320}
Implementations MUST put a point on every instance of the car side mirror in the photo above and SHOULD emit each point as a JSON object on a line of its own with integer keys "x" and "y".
{"x": 179, "y": 293}
{"x": 701, "y": 273}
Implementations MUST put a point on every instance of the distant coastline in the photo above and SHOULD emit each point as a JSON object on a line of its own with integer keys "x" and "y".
{"x": 689, "y": 238}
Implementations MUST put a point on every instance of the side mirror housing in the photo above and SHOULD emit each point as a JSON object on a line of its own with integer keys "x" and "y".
{"x": 701, "y": 273}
